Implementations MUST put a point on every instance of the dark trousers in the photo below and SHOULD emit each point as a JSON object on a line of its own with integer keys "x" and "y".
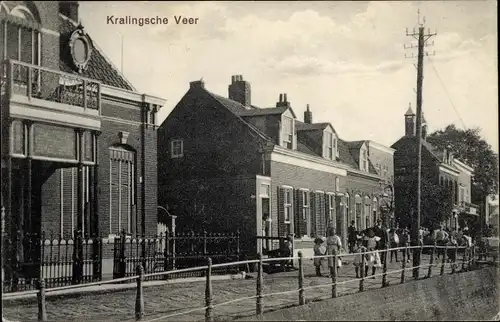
{"x": 351, "y": 246}
{"x": 394, "y": 253}
{"x": 318, "y": 270}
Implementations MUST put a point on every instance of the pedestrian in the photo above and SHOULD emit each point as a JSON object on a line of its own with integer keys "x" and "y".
{"x": 441, "y": 238}
{"x": 382, "y": 234}
{"x": 333, "y": 246}
{"x": 394, "y": 244}
{"x": 287, "y": 251}
{"x": 359, "y": 249}
{"x": 319, "y": 250}
{"x": 406, "y": 242}
{"x": 372, "y": 246}
{"x": 351, "y": 236}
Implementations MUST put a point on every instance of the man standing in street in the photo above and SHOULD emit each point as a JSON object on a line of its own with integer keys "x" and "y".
{"x": 352, "y": 236}
{"x": 383, "y": 234}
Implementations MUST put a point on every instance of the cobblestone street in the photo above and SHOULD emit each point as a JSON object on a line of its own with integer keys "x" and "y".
{"x": 175, "y": 298}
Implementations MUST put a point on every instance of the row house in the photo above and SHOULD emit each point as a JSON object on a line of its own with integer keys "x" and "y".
{"x": 78, "y": 140}
{"x": 225, "y": 164}
{"x": 438, "y": 166}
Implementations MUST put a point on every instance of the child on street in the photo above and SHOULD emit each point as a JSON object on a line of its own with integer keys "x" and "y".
{"x": 359, "y": 249}
{"x": 319, "y": 250}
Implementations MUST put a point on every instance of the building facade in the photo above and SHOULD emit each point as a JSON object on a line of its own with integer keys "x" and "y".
{"x": 224, "y": 164}
{"x": 439, "y": 167}
{"x": 78, "y": 140}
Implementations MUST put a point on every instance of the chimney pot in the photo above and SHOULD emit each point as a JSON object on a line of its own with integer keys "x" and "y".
{"x": 233, "y": 79}
{"x": 284, "y": 98}
{"x": 197, "y": 84}
{"x": 308, "y": 115}
{"x": 281, "y": 98}
{"x": 239, "y": 90}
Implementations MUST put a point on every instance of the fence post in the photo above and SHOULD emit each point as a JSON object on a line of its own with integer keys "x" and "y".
{"x": 334, "y": 276}
{"x": 302, "y": 299}
{"x": 445, "y": 254}
{"x": 208, "y": 293}
{"x": 122, "y": 264}
{"x": 433, "y": 254}
{"x": 403, "y": 268}
{"x": 139, "y": 297}
{"x": 363, "y": 269}
{"x": 260, "y": 282}
{"x": 42, "y": 312}
{"x": 386, "y": 257}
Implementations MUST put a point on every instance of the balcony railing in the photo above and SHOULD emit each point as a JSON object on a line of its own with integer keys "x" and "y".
{"x": 38, "y": 82}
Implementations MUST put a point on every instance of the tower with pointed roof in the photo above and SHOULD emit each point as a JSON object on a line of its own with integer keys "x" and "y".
{"x": 410, "y": 122}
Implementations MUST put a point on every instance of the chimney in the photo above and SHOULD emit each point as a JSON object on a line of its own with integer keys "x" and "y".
{"x": 308, "y": 117}
{"x": 410, "y": 122}
{"x": 197, "y": 84}
{"x": 69, "y": 9}
{"x": 283, "y": 101}
{"x": 240, "y": 90}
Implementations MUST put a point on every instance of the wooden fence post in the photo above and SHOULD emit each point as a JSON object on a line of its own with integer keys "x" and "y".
{"x": 302, "y": 298}
{"x": 445, "y": 254}
{"x": 334, "y": 276}
{"x": 433, "y": 254}
{"x": 208, "y": 293}
{"x": 363, "y": 272}
{"x": 139, "y": 297}
{"x": 260, "y": 282}
{"x": 386, "y": 257}
{"x": 42, "y": 312}
{"x": 403, "y": 267}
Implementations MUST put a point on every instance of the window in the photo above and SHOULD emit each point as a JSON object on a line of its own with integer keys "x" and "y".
{"x": 462, "y": 194}
{"x": 287, "y": 130}
{"x": 122, "y": 196}
{"x": 374, "y": 210}
{"x": 357, "y": 212}
{"x": 177, "y": 149}
{"x": 288, "y": 206}
{"x": 329, "y": 145}
{"x": 22, "y": 42}
{"x": 152, "y": 117}
{"x": 367, "y": 213}
{"x": 337, "y": 184}
{"x": 364, "y": 160}
{"x": 306, "y": 211}
{"x": 331, "y": 209}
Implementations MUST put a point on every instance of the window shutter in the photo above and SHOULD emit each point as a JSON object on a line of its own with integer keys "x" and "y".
{"x": 281, "y": 212}
{"x": 320, "y": 214}
{"x": 312, "y": 213}
{"x": 299, "y": 222}
{"x": 114, "y": 206}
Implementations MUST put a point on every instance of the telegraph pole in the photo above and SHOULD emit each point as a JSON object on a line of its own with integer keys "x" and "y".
{"x": 422, "y": 39}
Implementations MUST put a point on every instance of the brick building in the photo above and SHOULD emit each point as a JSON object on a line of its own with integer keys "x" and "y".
{"x": 438, "y": 166}
{"x": 224, "y": 164}
{"x": 78, "y": 140}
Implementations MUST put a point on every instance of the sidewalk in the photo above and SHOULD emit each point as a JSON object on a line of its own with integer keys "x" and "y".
{"x": 28, "y": 296}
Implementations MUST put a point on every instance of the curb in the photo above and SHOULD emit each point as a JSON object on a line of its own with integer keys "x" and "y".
{"x": 23, "y": 298}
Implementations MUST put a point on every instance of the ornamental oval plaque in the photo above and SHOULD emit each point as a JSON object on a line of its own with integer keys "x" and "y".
{"x": 80, "y": 48}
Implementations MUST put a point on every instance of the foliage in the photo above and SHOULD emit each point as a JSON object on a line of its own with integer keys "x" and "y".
{"x": 470, "y": 148}
{"x": 436, "y": 205}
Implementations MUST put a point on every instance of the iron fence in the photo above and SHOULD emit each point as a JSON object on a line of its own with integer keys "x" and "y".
{"x": 171, "y": 251}
{"x": 59, "y": 261}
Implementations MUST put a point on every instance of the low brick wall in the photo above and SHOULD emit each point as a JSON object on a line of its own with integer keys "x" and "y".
{"x": 464, "y": 296}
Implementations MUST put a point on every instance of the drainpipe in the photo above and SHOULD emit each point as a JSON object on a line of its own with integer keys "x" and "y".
{"x": 143, "y": 172}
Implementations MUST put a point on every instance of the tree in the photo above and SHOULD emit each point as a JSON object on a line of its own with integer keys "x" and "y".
{"x": 470, "y": 148}
{"x": 436, "y": 209}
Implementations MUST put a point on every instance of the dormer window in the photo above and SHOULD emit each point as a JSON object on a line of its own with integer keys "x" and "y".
{"x": 363, "y": 160}
{"x": 287, "y": 130}
{"x": 329, "y": 146}
{"x": 177, "y": 149}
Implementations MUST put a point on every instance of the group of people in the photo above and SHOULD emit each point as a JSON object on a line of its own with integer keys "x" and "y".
{"x": 371, "y": 240}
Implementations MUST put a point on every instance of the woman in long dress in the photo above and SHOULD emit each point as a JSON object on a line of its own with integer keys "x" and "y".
{"x": 372, "y": 243}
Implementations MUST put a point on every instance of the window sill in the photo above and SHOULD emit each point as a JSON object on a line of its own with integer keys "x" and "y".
{"x": 177, "y": 156}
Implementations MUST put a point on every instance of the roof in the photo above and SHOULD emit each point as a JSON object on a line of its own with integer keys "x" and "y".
{"x": 345, "y": 155}
{"x": 409, "y": 112}
{"x": 301, "y": 126}
{"x": 99, "y": 67}
{"x": 263, "y": 111}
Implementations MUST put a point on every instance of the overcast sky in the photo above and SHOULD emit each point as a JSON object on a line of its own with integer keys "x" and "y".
{"x": 345, "y": 59}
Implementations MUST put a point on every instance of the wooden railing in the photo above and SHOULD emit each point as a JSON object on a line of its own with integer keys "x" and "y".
{"x": 464, "y": 259}
{"x": 33, "y": 81}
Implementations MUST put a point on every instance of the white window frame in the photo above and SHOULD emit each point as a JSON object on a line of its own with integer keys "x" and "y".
{"x": 173, "y": 150}
{"x": 329, "y": 148}
{"x": 331, "y": 207}
{"x": 363, "y": 160}
{"x": 306, "y": 209}
{"x": 287, "y": 137}
{"x": 287, "y": 205}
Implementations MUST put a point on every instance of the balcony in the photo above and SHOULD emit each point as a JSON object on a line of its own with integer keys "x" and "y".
{"x": 469, "y": 208}
{"x": 39, "y": 93}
